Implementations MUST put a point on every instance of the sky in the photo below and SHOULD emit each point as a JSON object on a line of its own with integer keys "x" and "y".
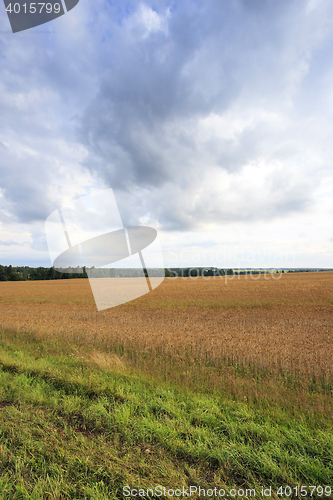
{"x": 211, "y": 121}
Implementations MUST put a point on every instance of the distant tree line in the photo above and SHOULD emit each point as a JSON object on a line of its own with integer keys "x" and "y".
{"x": 202, "y": 271}
{"x": 26, "y": 273}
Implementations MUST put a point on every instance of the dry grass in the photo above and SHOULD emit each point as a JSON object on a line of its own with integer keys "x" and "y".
{"x": 107, "y": 360}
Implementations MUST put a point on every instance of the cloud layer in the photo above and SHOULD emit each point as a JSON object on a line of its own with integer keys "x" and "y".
{"x": 198, "y": 115}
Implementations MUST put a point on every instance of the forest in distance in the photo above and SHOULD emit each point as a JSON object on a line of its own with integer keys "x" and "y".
{"x": 26, "y": 273}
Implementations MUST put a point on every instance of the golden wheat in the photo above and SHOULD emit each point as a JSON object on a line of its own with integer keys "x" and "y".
{"x": 286, "y": 323}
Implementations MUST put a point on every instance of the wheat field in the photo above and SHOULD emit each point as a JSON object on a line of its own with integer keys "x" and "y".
{"x": 286, "y": 322}
{"x": 267, "y": 341}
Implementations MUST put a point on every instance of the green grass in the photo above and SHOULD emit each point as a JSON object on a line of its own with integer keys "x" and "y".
{"x": 72, "y": 429}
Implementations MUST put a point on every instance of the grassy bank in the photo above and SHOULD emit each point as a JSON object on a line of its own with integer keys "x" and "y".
{"x": 77, "y": 423}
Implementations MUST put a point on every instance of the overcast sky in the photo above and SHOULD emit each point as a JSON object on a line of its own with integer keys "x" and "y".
{"x": 212, "y": 121}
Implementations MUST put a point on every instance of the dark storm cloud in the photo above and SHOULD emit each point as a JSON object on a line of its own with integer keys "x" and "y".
{"x": 181, "y": 72}
{"x": 166, "y": 71}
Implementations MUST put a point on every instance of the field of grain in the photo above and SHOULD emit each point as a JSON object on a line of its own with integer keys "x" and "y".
{"x": 286, "y": 322}
{"x": 201, "y": 382}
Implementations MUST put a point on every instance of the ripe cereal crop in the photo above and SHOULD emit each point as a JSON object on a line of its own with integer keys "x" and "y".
{"x": 200, "y": 332}
{"x": 211, "y": 382}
